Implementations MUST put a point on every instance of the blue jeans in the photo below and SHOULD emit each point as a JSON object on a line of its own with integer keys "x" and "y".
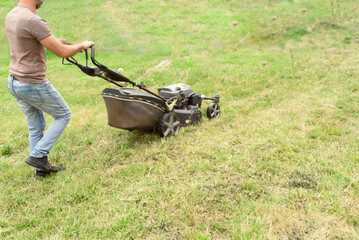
{"x": 35, "y": 99}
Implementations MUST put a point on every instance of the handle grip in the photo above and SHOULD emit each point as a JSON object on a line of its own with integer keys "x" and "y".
{"x": 93, "y": 52}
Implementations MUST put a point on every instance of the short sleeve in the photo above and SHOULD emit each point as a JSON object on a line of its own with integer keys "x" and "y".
{"x": 39, "y": 28}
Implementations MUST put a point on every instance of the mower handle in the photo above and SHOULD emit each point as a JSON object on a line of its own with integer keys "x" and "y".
{"x": 104, "y": 72}
{"x": 117, "y": 76}
{"x": 112, "y": 74}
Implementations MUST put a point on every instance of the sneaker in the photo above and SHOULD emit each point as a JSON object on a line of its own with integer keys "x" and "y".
{"x": 43, "y": 164}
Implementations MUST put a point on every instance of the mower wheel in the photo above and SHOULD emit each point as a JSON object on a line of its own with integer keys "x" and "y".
{"x": 213, "y": 110}
{"x": 169, "y": 124}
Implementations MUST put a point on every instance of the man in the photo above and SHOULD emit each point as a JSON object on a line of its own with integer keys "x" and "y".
{"x": 28, "y": 37}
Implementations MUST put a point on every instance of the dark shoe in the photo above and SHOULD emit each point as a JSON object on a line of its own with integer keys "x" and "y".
{"x": 43, "y": 163}
{"x": 41, "y": 173}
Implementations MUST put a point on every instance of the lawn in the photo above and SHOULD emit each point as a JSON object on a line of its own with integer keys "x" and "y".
{"x": 281, "y": 162}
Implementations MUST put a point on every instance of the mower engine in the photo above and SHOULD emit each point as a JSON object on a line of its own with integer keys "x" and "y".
{"x": 188, "y": 105}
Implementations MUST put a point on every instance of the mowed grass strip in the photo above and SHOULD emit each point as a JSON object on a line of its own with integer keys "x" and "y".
{"x": 280, "y": 163}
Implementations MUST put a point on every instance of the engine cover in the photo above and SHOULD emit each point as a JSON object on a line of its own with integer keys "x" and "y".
{"x": 180, "y": 90}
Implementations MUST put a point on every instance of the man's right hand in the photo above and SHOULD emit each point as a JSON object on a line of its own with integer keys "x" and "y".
{"x": 87, "y": 44}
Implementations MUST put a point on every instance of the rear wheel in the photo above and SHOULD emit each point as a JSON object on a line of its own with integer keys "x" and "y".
{"x": 169, "y": 124}
{"x": 213, "y": 110}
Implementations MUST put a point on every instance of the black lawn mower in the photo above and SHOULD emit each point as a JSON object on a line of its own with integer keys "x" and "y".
{"x": 174, "y": 106}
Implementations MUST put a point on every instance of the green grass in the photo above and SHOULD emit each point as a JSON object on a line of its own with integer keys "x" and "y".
{"x": 280, "y": 163}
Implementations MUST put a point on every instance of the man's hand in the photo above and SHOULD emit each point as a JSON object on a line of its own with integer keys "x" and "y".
{"x": 87, "y": 44}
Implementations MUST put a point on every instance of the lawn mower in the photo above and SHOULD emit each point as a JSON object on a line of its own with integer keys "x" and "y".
{"x": 174, "y": 106}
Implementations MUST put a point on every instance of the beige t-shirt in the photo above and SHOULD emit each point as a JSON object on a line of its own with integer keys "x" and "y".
{"x": 25, "y": 30}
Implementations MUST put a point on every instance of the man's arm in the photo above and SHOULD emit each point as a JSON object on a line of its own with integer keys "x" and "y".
{"x": 62, "y": 50}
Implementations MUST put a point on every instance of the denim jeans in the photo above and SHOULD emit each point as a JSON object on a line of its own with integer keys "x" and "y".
{"x": 35, "y": 99}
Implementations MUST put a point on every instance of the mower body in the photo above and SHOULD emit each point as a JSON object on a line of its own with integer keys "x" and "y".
{"x": 131, "y": 109}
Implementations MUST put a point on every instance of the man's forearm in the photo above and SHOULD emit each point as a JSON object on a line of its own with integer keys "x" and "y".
{"x": 63, "y": 41}
{"x": 62, "y": 50}
{"x": 72, "y": 49}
